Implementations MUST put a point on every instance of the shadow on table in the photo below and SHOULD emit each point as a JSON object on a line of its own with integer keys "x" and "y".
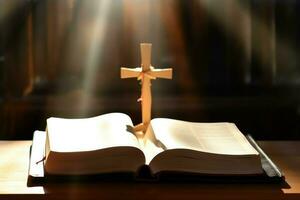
{"x": 127, "y": 188}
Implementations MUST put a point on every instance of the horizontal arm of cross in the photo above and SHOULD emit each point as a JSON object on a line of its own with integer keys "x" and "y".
{"x": 130, "y": 72}
{"x": 161, "y": 73}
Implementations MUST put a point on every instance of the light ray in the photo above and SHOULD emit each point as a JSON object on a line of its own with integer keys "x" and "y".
{"x": 95, "y": 51}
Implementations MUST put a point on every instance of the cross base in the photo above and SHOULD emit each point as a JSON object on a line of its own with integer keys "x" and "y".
{"x": 141, "y": 127}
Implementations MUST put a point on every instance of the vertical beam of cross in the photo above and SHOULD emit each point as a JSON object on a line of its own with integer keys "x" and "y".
{"x": 145, "y": 73}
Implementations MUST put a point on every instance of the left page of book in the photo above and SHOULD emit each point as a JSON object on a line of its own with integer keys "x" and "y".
{"x": 99, "y": 144}
{"x": 104, "y": 131}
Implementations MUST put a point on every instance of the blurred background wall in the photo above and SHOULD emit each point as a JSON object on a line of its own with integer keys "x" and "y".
{"x": 233, "y": 60}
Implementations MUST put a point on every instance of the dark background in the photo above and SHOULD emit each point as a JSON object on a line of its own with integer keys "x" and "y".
{"x": 233, "y": 60}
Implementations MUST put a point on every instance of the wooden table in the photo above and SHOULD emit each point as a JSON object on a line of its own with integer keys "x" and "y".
{"x": 14, "y": 165}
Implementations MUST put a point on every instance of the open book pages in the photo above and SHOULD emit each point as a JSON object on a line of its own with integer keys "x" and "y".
{"x": 107, "y": 143}
{"x": 104, "y": 131}
{"x": 197, "y": 145}
{"x": 92, "y": 145}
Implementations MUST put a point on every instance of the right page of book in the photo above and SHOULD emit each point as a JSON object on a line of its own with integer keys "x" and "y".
{"x": 203, "y": 148}
{"x": 218, "y": 138}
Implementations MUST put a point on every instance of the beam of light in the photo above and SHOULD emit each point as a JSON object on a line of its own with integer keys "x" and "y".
{"x": 95, "y": 50}
{"x": 238, "y": 17}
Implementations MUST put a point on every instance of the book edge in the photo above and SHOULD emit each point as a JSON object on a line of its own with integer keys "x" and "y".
{"x": 34, "y": 179}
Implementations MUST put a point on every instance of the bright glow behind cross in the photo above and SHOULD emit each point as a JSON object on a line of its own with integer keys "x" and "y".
{"x": 145, "y": 73}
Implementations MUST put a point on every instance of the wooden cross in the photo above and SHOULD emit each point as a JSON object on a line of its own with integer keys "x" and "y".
{"x": 145, "y": 73}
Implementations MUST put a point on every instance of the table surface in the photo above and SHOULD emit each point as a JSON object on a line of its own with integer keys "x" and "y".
{"x": 14, "y": 158}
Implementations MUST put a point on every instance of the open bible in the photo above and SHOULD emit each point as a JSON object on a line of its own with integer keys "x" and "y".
{"x": 107, "y": 144}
